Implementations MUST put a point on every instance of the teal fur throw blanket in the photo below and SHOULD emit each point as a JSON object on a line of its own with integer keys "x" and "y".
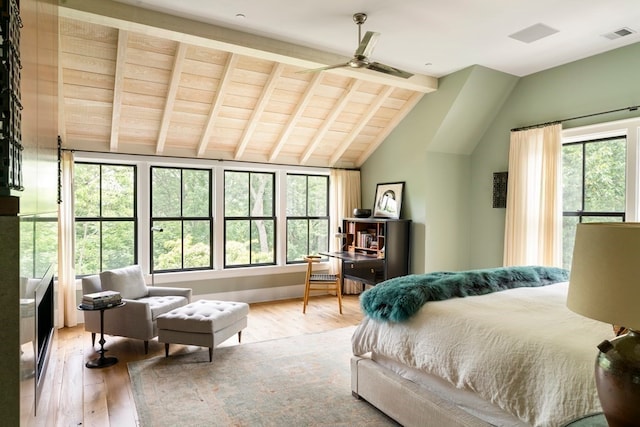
{"x": 398, "y": 299}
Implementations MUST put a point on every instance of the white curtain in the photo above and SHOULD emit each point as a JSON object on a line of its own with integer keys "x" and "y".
{"x": 67, "y": 307}
{"x": 344, "y": 196}
{"x": 533, "y": 229}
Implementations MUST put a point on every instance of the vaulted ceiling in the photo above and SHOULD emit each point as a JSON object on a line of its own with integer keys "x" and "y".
{"x": 191, "y": 79}
{"x": 141, "y": 82}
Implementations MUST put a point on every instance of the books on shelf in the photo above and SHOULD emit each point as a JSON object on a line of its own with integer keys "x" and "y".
{"x": 102, "y": 299}
{"x": 365, "y": 240}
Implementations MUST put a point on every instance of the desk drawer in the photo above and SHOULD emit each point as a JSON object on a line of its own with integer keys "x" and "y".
{"x": 368, "y": 271}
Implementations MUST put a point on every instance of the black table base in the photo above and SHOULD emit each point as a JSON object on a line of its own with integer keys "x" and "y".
{"x": 102, "y": 362}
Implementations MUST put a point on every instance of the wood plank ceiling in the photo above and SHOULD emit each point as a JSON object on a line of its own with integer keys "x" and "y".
{"x": 125, "y": 91}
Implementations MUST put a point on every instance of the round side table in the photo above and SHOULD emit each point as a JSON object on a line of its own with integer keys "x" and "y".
{"x": 101, "y": 362}
{"x": 591, "y": 420}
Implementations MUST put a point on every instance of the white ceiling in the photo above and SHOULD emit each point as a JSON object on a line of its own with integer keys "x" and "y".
{"x": 431, "y": 37}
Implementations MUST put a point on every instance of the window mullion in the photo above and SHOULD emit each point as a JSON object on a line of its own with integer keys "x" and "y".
{"x": 584, "y": 181}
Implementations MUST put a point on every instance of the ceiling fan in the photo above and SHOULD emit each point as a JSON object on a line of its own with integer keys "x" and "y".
{"x": 361, "y": 56}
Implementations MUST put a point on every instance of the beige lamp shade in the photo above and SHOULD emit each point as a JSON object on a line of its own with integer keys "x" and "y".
{"x": 605, "y": 273}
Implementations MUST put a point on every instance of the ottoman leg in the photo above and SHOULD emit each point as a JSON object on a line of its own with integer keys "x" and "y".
{"x": 210, "y": 354}
{"x": 166, "y": 349}
{"x": 240, "y": 336}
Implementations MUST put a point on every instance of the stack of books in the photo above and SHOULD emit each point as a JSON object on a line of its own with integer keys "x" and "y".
{"x": 98, "y": 300}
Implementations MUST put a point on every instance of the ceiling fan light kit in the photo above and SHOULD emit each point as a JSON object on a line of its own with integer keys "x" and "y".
{"x": 360, "y": 58}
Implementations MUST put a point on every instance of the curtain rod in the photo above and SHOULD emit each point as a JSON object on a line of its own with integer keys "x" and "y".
{"x": 74, "y": 150}
{"x": 539, "y": 125}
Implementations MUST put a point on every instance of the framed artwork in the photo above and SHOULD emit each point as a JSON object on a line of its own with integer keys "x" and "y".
{"x": 388, "y": 201}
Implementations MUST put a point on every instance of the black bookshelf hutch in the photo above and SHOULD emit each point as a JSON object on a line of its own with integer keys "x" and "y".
{"x": 374, "y": 249}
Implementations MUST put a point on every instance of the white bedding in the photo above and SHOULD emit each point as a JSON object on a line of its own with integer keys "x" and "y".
{"x": 520, "y": 349}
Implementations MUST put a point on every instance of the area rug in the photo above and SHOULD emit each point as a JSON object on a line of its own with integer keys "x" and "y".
{"x": 297, "y": 381}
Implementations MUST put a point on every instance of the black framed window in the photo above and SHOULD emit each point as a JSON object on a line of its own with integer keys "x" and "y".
{"x": 307, "y": 215}
{"x": 593, "y": 186}
{"x": 249, "y": 218}
{"x": 105, "y": 216}
{"x": 181, "y": 219}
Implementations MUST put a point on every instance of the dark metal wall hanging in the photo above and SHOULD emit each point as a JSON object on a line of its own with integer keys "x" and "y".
{"x": 10, "y": 104}
{"x": 500, "y": 189}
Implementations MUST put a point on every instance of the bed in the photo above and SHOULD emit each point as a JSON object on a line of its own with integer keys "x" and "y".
{"x": 515, "y": 357}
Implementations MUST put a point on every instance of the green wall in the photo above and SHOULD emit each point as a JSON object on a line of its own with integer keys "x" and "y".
{"x": 449, "y": 146}
{"x": 600, "y": 83}
{"x": 430, "y": 152}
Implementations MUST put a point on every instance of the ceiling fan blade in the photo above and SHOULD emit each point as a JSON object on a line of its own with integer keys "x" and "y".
{"x": 387, "y": 69}
{"x": 361, "y": 57}
{"x": 328, "y": 67}
{"x": 367, "y": 44}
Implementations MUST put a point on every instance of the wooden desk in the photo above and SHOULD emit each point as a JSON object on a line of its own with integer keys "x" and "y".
{"x": 350, "y": 256}
{"x": 363, "y": 268}
{"x": 374, "y": 249}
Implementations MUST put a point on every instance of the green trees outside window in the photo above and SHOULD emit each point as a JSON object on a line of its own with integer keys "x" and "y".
{"x": 249, "y": 218}
{"x": 593, "y": 186}
{"x": 180, "y": 200}
{"x": 105, "y": 216}
{"x": 181, "y": 208}
{"x": 307, "y": 215}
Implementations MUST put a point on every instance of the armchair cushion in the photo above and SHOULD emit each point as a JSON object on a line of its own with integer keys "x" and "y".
{"x": 162, "y": 291}
{"x": 163, "y": 304}
{"x": 91, "y": 284}
{"x": 129, "y": 281}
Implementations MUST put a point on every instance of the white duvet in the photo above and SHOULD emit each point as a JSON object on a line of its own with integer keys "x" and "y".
{"x": 520, "y": 349}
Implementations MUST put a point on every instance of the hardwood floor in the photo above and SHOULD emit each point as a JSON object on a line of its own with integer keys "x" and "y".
{"x": 75, "y": 395}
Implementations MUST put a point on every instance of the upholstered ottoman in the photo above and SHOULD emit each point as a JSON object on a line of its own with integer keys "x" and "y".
{"x": 204, "y": 323}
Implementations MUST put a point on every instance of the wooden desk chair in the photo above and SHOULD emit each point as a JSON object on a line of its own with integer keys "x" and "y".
{"x": 320, "y": 281}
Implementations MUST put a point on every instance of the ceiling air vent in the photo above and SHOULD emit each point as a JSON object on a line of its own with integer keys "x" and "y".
{"x": 622, "y": 32}
{"x": 533, "y": 33}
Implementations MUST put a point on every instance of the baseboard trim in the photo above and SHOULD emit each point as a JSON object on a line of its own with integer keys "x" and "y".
{"x": 256, "y": 295}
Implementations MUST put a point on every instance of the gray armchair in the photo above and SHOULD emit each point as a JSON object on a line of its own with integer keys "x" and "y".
{"x": 137, "y": 319}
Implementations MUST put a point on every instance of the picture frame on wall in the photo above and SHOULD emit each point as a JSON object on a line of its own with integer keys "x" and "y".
{"x": 388, "y": 201}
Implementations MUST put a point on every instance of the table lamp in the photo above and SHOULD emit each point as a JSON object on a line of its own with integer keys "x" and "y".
{"x": 605, "y": 285}
{"x": 340, "y": 240}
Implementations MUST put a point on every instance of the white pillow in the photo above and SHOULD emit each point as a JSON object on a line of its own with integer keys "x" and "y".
{"x": 129, "y": 281}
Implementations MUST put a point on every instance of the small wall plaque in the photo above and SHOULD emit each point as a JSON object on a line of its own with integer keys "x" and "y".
{"x": 500, "y": 189}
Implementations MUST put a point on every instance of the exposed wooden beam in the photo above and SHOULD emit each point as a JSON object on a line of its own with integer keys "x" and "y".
{"x": 225, "y": 79}
{"x": 408, "y": 106}
{"x": 291, "y": 123}
{"x": 126, "y": 17}
{"x": 62, "y": 125}
{"x": 373, "y": 108}
{"x": 121, "y": 58}
{"x": 254, "y": 120}
{"x": 178, "y": 62}
{"x": 335, "y": 112}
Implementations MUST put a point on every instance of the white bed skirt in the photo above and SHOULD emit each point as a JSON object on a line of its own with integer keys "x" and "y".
{"x": 424, "y": 401}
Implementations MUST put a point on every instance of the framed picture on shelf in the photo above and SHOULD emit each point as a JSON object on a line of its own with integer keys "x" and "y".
{"x": 388, "y": 201}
